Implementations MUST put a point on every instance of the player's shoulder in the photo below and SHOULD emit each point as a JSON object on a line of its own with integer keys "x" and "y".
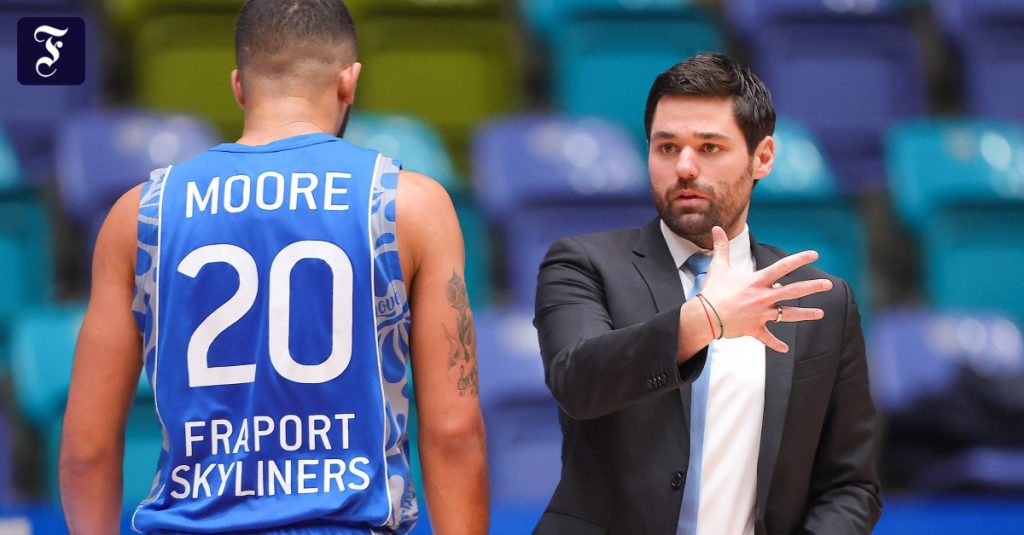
{"x": 421, "y": 194}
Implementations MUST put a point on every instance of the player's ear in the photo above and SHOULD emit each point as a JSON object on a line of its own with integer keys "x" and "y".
{"x": 347, "y": 82}
{"x": 236, "y": 88}
{"x": 764, "y": 158}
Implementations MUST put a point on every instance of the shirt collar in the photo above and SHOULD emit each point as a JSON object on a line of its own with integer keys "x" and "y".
{"x": 682, "y": 248}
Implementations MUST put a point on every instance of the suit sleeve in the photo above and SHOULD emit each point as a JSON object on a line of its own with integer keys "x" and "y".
{"x": 592, "y": 368}
{"x": 844, "y": 485}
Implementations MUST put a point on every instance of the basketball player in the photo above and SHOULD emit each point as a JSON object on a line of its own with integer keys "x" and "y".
{"x": 263, "y": 287}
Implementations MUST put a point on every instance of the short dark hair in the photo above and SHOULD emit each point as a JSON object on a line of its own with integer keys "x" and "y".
{"x": 717, "y": 75}
{"x": 269, "y": 34}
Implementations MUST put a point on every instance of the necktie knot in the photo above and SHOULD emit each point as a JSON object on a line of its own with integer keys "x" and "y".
{"x": 698, "y": 265}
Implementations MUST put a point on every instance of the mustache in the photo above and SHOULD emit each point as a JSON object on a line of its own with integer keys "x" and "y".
{"x": 690, "y": 185}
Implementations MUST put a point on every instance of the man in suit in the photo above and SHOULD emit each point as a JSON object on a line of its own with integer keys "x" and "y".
{"x": 707, "y": 383}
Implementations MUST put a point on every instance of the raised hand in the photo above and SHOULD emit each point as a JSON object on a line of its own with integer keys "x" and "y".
{"x": 745, "y": 302}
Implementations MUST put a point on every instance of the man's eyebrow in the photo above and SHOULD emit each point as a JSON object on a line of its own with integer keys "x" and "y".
{"x": 710, "y": 135}
{"x": 661, "y": 134}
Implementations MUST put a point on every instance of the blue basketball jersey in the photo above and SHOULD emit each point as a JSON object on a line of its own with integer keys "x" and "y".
{"x": 275, "y": 323}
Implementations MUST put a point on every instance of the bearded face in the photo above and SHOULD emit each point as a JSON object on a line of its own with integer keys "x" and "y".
{"x": 701, "y": 171}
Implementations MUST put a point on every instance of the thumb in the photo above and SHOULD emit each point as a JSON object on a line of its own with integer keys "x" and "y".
{"x": 721, "y": 245}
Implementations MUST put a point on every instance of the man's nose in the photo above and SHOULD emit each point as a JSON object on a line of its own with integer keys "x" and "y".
{"x": 687, "y": 167}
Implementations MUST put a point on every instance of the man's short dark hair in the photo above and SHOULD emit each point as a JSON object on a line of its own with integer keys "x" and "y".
{"x": 270, "y": 35}
{"x": 717, "y": 75}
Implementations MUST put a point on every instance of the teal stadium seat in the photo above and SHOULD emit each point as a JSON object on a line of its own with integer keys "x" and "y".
{"x": 10, "y": 171}
{"x": 26, "y": 256}
{"x": 42, "y": 350}
{"x": 420, "y": 148}
{"x": 453, "y": 72}
{"x": 606, "y": 53}
{"x": 959, "y": 185}
{"x": 799, "y": 207}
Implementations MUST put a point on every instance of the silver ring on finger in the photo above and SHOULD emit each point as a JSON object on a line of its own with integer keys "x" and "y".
{"x": 778, "y": 317}
{"x": 776, "y": 285}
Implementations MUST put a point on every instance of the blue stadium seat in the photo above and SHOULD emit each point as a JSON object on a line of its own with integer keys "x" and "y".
{"x": 918, "y": 356}
{"x": 539, "y": 178}
{"x": 989, "y": 35}
{"x": 960, "y": 185}
{"x": 420, "y": 148}
{"x": 606, "y": 56}
{"x": 103, "y": 153}
{"x": 799, "y": 207}
{"x": 31, "y": 114}
{"x": 846, "y": 69}
{"x": 43, "y": 343}
{"x": 524, "y": 439}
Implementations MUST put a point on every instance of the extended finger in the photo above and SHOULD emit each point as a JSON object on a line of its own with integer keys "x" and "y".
{"x": 769, "y": 340}
{"x": 787, "y": 265}
{"x": 792, "y": 314}
{"x": 800, "y": 289}
{"x": 721, "y": 244}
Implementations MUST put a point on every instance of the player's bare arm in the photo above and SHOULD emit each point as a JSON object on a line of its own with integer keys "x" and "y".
{"x": 103, "y": 381}
{"x": 451, "y": 431}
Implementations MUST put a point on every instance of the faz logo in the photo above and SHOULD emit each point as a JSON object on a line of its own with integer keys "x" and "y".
{"x": 51, "y": 51}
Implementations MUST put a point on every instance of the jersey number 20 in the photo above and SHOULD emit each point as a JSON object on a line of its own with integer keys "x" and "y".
{"x": 200, "y": 373}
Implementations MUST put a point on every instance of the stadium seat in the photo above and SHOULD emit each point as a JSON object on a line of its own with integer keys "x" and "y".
{"x": 539, "y": 178}
{"x": 959, "y": 184}
{"x": 26, "y": 258}
{"x": 523, "y": 436}
{"x": 183, "y": 63}
{"x": 845, "y": 69}
{"x": 989, "y": 35}
{"x": 799, "y": 207}
{"x": 414, "y": 142}
{"x": 420, "y": 148}
{"x": 363, "y": 10}
{"x": 604, "y": 62}
{"x": 451, "y": 72}
{"x": 10, "y": 170}
{"x": 102, "y": 154}
{"x": 43, "y": 344}
{"x": 32, "y": 113}
{"x": 545, "y": 18}
{"x": 937, "y": 375}
{"x": 130, "y": 14}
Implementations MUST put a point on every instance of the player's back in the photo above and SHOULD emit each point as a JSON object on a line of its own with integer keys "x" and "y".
{"x": 275, "y": 322}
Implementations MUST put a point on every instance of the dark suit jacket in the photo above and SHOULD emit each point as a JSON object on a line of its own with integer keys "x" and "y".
{"x": 608, "y": 321}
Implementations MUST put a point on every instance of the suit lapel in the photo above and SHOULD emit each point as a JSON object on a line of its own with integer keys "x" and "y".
{"x": 656, "y": 267}
{"x": 654, "y": 263}
{"x": 778, "y": 380}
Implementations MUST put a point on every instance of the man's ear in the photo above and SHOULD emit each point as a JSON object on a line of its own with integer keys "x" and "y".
{"x": 236, "y": 88}
{"x": 347, "y": 82}
{"x": 764, "y": 158}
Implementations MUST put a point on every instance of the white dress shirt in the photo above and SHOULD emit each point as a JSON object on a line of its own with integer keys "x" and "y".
{"x": 735, "y": 409}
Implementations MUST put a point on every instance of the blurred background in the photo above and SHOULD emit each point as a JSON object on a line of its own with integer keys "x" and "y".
{"x": 900, "y": 159}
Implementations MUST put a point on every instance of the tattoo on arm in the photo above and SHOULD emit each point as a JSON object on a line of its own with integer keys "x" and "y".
{"x": 463, "y": 341}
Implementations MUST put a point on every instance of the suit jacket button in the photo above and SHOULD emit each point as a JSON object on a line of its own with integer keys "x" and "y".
{"x": 677, "y": 480}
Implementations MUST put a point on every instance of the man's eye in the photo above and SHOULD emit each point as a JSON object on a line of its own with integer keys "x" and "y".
{"x": 711, "y": 148}
{"x": 667, "y": 149}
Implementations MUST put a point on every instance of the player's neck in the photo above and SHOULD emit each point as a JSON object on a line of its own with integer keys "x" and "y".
{"x": 284, "y": 118}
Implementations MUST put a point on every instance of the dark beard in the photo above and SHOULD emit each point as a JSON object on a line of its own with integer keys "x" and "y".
{"x": 697, "y": 227}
